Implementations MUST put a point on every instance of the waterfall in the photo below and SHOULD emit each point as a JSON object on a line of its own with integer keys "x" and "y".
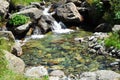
{"x": 60, "y": 28}
{"x": 57, "y": 28}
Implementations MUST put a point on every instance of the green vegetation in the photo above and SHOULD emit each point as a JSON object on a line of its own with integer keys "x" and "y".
{"x": 4, "y": 44}
{"x": 2, "y": 21}
{"x": 112, "y": 15}
{"x": 5, "y": 73}
{"x": 23, "y": 2}
{"x": 18, "y": 20}
{"x": 113, "y": 40}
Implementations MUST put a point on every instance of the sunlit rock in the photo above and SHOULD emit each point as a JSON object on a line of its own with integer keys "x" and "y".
{"x": 14, "y": 63}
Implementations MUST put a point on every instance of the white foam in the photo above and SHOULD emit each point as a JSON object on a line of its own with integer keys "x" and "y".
{"x": 37, "y": 36}
{"x": 62, "y": 31}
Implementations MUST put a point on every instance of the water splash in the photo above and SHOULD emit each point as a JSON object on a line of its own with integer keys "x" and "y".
{"x": 45, "y": 12}
{"x": 57, "y": 28}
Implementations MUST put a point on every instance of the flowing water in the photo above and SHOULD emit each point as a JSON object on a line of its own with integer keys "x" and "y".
{"x": 61, "y": 51}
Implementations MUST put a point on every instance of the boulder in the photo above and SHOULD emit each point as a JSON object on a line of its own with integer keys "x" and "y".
{"x": 33, "y": 13}
{"x": 16, "y": 49}
{"x": 103, "y": 27}
{"x": 45, "y": 22}
{"x": 37, "y": 4}
{"x": 19, "y": 31}
{"x": 116, "y": 28}
{"x": 57, "y": 73}
{"x": 36, "y": 72}
{"x": 14, "y": 63}
{"x": 68, "y": 13}
{"x": 22, "y": 28}
{"x": 4, "y": 6}
{"x": 8, "y": 35}
{"x": 76, "y": 2}
{"x": 91, "y": 14}
{"x": 100, "y": 75}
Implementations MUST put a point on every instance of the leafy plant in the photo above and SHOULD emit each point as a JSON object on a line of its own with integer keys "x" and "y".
{"x": 113, "y": 14}
{"x": 113, "y": 40}
{"x": 18, "y": 19}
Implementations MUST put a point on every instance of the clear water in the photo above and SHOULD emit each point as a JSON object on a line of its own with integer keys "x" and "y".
{"x": 57, "y": 51}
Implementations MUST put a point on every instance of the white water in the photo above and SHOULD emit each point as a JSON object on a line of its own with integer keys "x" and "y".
{"x": 56, "y": 27}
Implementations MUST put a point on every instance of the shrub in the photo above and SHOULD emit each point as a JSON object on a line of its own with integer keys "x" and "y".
{"x": 113, "y": 40}
{"x": 113, "y": 14}
{"x": 18, "y": 20}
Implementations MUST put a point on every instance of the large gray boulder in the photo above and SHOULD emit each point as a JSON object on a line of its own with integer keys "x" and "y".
{"x": 45, "y": 22}
{"x": 68, "y": 13}
{"x": 33, "y": 13}
{"x": 57, "y": 73}
{"x": 22, "y": 28}
{"x": 100, "y": 75}
{"x": 19, "y": 31}
{"x": 4, "y": 6}
{"x": 14, "y": 63}
{"x": 116, "y": 28}
{"x": 36, "y": 72}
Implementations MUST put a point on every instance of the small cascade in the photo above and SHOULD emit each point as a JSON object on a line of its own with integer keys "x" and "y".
{"x": 45, "y": 12}
{"x": 60, "y": 28}
{"x": 57, "y": 28}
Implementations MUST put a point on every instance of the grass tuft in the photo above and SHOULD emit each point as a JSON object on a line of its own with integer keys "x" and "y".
{"x": 113, "y": 40}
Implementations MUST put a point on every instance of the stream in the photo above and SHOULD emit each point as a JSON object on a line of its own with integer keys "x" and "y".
{"x": 61, "y": 51}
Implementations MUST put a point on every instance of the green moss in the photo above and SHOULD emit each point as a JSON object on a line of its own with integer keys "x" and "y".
{"x": 23, "y": 2}
{"x": 5, "y": 45}
{"x": 5, "y": 73}
{"x": 113, "y": 40}
{"x": 18, "y": 20}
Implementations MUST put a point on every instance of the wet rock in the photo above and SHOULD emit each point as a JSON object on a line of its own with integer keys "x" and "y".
{"x": 57, "y": 73}
{"x": 16, "y": 49}
{"x": 20, "y": 31}
{"x": 36, "y": 72}
{"x": 14, "y": 63}
{"x": 45, "y": 22}
{"x": 97, "y": 47}
{"x": 91, "y": 38}
{"x": 113, "y": 52}
{"x": 103, "y": 27}
{"x": 68, "y": 13}
{"x": 100, "y": 35}
{"x": 22, "y": 28}
{"x": 79, "y": 40}
{"x": 114, "y": 63}
{"x": 37, "y": 4}
{"x": 76, "y": 2}
{"x": 92, "y": 51}
{"x": 4, "y": 6}
{"x": 33, "y": 13}
{"x": 100, "y": 75}
{"x": 116, "y": 28}
{"x": 102, "y": 51}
